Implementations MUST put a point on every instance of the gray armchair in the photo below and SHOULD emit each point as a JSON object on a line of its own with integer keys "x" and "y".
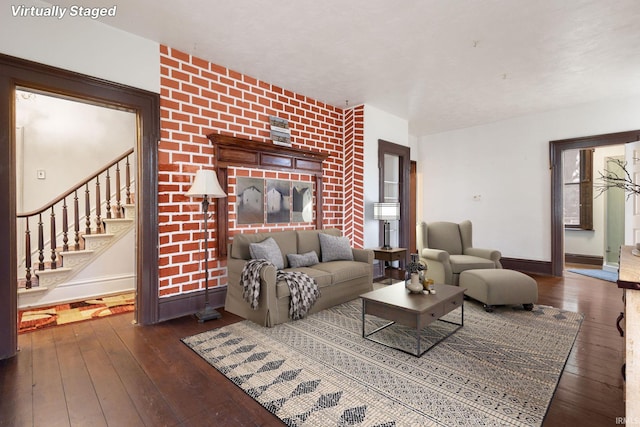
{"x": 447, "y": 249}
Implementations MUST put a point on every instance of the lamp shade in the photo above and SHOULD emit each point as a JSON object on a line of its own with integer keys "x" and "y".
{"x": 205, "y": 185}
{"x": 388, "y": 211}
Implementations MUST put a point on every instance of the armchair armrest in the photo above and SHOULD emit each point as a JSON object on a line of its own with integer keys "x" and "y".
{"x": 492, "y": 254}
{"x": 363, "y": 255}
{"x": 438, "y": 265}
{"x": 435, "y": 255}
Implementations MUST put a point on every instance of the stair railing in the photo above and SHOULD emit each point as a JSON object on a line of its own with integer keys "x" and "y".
{"x": 59, "y": 204}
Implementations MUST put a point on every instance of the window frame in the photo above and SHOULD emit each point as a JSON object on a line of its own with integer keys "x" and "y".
{"x": 585, "y": 191}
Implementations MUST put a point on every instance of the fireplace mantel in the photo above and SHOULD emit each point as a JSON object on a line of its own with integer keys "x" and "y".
{"x": 240, "y": 152}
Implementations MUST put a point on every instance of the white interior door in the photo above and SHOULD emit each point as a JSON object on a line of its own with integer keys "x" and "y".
{"x": 632, "y": 205}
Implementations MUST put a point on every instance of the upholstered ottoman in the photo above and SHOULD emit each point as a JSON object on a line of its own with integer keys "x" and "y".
{"x": 499, "y": 287}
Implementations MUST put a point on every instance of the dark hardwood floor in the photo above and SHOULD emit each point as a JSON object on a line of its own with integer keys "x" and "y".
{"x": 109, "y": 372}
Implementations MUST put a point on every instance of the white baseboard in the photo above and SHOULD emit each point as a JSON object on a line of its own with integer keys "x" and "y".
{"x": 78, "y": 291}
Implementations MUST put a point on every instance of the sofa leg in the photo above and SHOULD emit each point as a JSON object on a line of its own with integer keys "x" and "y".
{"x": 488, "y": 308}
{"x": 528, "y": 307}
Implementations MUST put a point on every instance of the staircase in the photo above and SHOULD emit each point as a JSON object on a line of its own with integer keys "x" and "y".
{"x": 99, "y": 261}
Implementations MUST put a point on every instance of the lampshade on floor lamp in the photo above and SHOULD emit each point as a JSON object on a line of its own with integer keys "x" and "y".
{"x": 206, "y": 185}
{"x": 386, "y": 211}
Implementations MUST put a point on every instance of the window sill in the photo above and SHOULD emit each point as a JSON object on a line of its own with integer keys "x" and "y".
{"x": 578, "y": 229}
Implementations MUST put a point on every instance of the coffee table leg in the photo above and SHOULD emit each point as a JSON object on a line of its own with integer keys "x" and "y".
{"x": 363, "y": 309}
{"x": 418, "y": 328}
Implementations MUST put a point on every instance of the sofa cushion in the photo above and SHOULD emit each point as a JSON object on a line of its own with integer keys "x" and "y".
{"x": 267, "y": 249}
{"x": 286, "y": 240}
{"x": 342, "y": 271}
{"x": 308, "y": 239}
{"x": 323, "y": 279}
{"x": 302, "y": 260}
{"x": 335, "y": 248}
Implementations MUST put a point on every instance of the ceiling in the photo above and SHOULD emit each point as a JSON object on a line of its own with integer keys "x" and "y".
{"x": 440, "y": 64}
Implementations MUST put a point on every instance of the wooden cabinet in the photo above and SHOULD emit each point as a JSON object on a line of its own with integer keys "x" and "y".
{"x": 388, "y": 256}
{"x": 629, "y": 281}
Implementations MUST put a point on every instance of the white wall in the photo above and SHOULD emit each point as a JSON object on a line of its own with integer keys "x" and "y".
{"x": 497, "y": 175}
{"x": 377, "y": 125}
{"x": 63, "y": 148}
{"x": 82, "y": 45}
{"x": 582, "y": 242}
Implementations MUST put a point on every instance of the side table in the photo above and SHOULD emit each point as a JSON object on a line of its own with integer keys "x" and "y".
{"x": 388, "y": 256}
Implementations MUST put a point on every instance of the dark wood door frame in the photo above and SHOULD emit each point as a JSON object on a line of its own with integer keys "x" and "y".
{"x": 19, "y": 72}
{"x": 404, "y": 154}
{"x": 413, "y": 205}
{"x": 556, "y": 149}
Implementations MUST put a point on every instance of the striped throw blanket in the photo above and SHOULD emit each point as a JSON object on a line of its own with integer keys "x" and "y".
{"x": 303, "y": 288}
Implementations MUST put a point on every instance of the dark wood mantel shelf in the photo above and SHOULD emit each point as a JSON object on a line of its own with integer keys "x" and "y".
{"x": 231, "y": 151}
{"x": 629, "y": 272}
{"x": 238, "y": 152}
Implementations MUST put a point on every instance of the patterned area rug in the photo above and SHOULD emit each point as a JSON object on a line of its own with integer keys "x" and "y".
{"x": 40, "y": 318}
{"x": 609, "y": 276}
{"x": 501, "y": 368}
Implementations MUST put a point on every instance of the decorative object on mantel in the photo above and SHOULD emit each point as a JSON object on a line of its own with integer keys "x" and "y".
{"x": 206, "y": 185}
{"x": 280, "y": 133}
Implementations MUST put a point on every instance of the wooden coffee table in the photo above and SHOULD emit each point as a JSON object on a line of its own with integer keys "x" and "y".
{"x": 397, "y": 304}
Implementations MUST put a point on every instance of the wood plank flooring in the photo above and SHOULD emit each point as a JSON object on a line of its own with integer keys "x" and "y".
{"x": 109, "y": 372}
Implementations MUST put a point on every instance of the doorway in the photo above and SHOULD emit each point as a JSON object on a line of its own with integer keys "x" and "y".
{"x": 394, "y": 163}
{"x": 614, "y": 216}
{"x": 61, "y": 142}
{"x": 15, "y": 72}
{"x": 557, "y": 149}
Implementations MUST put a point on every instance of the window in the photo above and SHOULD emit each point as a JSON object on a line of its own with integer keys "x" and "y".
{"x": 577, "y": 169}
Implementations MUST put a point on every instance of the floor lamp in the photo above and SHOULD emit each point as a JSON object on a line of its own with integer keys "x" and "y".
{"x": 386, "y": 211}
{"x": 206, "y": 185}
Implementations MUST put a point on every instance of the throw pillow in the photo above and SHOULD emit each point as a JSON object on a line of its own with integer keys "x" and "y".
{"x": 303, "y": 260}
{"x": 335, "y": 248}
{"x": 267, "y": 249}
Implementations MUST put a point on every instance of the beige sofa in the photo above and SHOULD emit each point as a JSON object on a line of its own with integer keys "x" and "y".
{"x": 339, "y": 280}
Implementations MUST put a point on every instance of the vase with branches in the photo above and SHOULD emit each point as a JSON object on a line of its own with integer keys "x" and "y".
{"x": 611, "y": 179}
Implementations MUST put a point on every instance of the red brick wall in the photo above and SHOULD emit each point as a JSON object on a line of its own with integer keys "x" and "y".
{"x": 354, "y": 175}
{"x": 198, "y": 98}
